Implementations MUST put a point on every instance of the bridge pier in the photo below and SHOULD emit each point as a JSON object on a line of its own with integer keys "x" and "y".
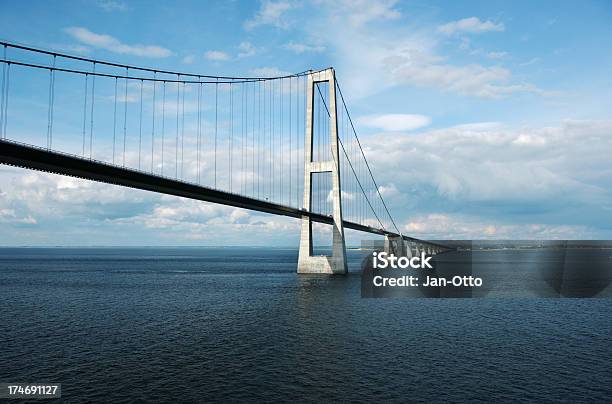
{"x": 395, "y": 245}
{"x": 336, "y": 263}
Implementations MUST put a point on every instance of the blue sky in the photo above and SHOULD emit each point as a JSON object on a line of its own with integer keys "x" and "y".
{"x": 483, "y": 119}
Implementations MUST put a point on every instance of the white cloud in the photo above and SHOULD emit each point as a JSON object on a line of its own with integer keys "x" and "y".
{"x": 189, "y": 59}
{"x": 42, "y": 193}
{"x": 246, "y": 49}
{"x": 490, "y": 163}
{"x": 271, "y": 13}
{"x": 395, "y": 122}
{"x": 365, "y": 54}
{"x": 461, "y": 227}
{"x": 530, "y": 62}
{"x": 303, "y": 48}
{"x": 112, "y": 44}
{"x": 216, "y": 55}
{"x": 388, "y": 190}
{"x": 474, "y": 79}
{"x": 497, "y": 55}
{"x": 67, "y": 203}
{"x": 111, "y": 5}
{"x": 360, "y": 12}
{"x": 10, "y": 216}
{"x": 187, "y": 219}
{"x": 471, "y": 25}
{"x": 479, "y": 126}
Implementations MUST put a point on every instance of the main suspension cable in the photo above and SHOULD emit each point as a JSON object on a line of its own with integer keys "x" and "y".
{"x": 144, "y": 69}
{"x": 351, "y": 165}
{"x": 366, "y": 161}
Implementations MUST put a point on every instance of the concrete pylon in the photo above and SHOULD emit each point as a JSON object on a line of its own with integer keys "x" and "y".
{"x": 336, "y": 263}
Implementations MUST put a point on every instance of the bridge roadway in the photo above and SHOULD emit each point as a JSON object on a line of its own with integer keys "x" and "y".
{"x": 36, "y": 158}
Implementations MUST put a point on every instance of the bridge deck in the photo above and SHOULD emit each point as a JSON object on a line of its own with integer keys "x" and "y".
{"x": 27, "y": 156}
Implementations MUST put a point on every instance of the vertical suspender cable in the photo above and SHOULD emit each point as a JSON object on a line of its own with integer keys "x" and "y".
{"x": 280, "y": 139}
{"x": 125, "y": 103}
{"x": 91, "y": 115}
{"x": 51, "y": 103}
{"x": 273, "y": 139}
{"x": 259, "y": 120}
{"x": 270, "y": 134}
{"x": 290, "y": 149}
{"x": 246, "y": 135}
{"x": 153, "y": 121}
{"x": 328, "y": 131}
{"x": 6, "y": 99}
{"x": 303, "y": 155}
{"x": 273, "y": 133}
{"x": 231, "y": 137}
{"x": 178, "y": 96}
{"x": 297, "y": 142}
{"x": 276, "y": 145}
{"x": 115, "y": 120}
{"x": 183, "y": 132}
{"x": 273, "y": 130}
{"x": 2, "y": 93}
{"x": 199, "y": 129}
{"x": 216, "y": 125}
{"x": 85, "y": 113}
{"x": 140, "y": 127}
{"x": 263, "y": 133}
{"x": 267, "y": 114}
{"x": 243, "y": 87}
{"x": 163, "y": 127}
{"x": 261, "y": 141}
{"x": 253, "y": 145}
{"x": 319, "y": 156}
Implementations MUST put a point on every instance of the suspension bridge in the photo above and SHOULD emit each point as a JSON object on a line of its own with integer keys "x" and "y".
{"x": 282, "y": 145}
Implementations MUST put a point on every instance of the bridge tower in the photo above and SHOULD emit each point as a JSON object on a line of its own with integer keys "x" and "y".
{"x": 336, "y": 263}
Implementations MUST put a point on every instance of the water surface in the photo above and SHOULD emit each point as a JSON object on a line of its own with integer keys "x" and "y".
{"x": 216, "y": 324}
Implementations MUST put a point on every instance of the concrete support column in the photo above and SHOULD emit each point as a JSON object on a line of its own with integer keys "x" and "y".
{"x": 336, "y": 263}
{"x": 395, "y": 245}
